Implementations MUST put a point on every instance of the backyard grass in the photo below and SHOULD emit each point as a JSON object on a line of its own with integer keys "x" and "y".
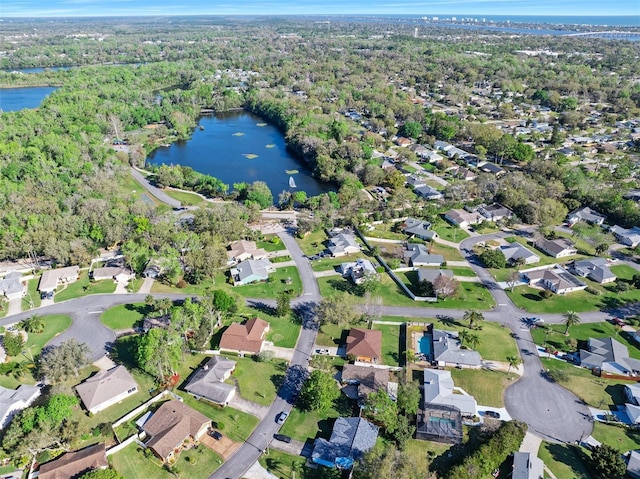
{"x": 258, "y": 381}
{"x": 449, "y": 232}
{"x": 468, "y": 296}
{"x": 622, "y": 438}
{"x": 486, "y": 386}
{"x": 390, "y": 343}
{"x": 185, "y": 199}
{"x": 449, "y": 253}
{"x": 135, "y": 285}
{"x": 84, "y": 287}
{"x": 271, "y": 243}
{"x": 277, "y": 283}
{"x": 132, "y": 464}
{"x": 303, "y": 425}
{"x": 313, "y": 243}
{"x": 124, "y": 316}
{"x": 32, "y": 299}
{"x": 385, "y": 231}
{"x": 565, "y": 461}
{"x": 283, "y": 332}
{"x": 529, "y": 299}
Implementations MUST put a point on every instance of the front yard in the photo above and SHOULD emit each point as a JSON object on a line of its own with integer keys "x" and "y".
{"x": 487, "y": 387}
{"x": 125, "y": 316}
{"x": 84, "y": 287}
{"x": 448, "y": 232}
{"x": 258, "y": 381}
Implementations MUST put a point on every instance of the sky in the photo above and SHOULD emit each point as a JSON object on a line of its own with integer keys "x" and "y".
{"x": 64, "y": 8}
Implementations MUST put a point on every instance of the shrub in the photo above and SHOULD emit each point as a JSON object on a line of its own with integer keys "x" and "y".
{"x": 546, "y": 294}
{"x": 558, "y": 375}
{"x": 594, "y": 291}
{"x": 181, "y": 284}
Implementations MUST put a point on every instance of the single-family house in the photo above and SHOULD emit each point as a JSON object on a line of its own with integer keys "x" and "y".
{"x": 14, "y": 400}
{"x": 403, "y": 142}
{"x": 596, "y": 269}
{"x": 416, "y": 180}
{"x": 527, "y": 466}
{"x": 343, "y": 244}
{"x": 428, "y": 192}
{"x": 251, "y": 271}
{"x": 487, "y": 167}
{"x": 557, "y": 248}
{"x": 466, "y": 174}
{"x": 446, "y": 350}
{"x": 153, "y": 269}
{"x": 628, "y": 237}
{"x": 431, "y": 275}
{"x": 431, "y": 156}
{"x": 439, "y": 391}
{"x": 515, "y": 252}
{"x": 463, "y": 218}
{"x": 350, "y": 438}
{"x": 364, "y": 345}
{"x": 419, "y": 228}
{"x": 418, "y": 254}
{"x": 358, "y": 271}
{"x": 585, "y": 214}
{"x": 156, "y": 322}
{"x": 171, "y": 425}
{"x": 366, "y": 379}
{"x": 245, "y": 338}
{"x": 116, "y": 273}
{"x": 609, "y": 355}
{"x": 11, "y": 286}
{"x": 420, "y": 151}
{"x": 633, "y": 464}
{"x": 243, "y": 250}
{"x": 106, "y": 388}
{"x": 555, "y": 279}
{"x": 52, "y": 278}
{"x": 75, "y": 464}
{"x": 495, "y": 212}
{"x": 209, "y": 381}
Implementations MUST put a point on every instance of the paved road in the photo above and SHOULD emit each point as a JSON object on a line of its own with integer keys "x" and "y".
{"x": 253, "y": 448}
{"x": 156, "y": 192}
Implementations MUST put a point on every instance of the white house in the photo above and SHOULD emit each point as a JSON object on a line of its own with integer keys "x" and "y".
{"x": 52, "y": 278}
{"x": 11, "y": 286}
{"x": 14, "y": 400}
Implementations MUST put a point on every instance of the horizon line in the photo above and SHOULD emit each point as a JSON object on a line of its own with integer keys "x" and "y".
{"x": 464, "y": 15}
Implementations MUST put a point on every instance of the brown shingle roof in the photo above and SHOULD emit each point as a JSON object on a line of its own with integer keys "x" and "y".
{"x": 104, "y": 386}
{"x": 366, "y": 343}
{"x": 73, "y": 464}
{"x": 171, "y": 424}
{"x": 245, "y": 337}
{"x": 371, "y": 379}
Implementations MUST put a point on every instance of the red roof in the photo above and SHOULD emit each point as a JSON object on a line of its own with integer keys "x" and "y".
{"x": 364, "y": 343}
{"x": 245, "y": 337}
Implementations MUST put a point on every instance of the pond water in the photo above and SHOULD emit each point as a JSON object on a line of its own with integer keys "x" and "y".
{"x": 240, "y": 147}
{"x": 14, "y": 99}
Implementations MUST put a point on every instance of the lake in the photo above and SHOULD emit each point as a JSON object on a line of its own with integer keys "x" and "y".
{"x": 14, "y": 99}
{"x": 239, "y": 146}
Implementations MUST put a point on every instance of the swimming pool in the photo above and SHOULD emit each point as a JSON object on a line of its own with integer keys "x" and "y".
{"x": 424, "y": 344}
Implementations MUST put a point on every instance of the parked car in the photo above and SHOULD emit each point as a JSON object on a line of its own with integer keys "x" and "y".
{"x": 282, "y": 437}
{"x": 322, "y": 351}
{"x": 282, "y": 417}
{"x": 493, "y": 414}
{"x": 217, "y": 435}
{"x": 618, "y": 322}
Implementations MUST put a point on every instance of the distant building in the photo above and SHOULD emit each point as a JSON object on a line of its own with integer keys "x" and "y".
{"x": 627, "y": 237}
{"x": 428, "y": 192}
{"x": 119, "y": 274}
{"x": 557, "y": 248}
{"x": 366, "y": 378}
{"x": 463, "y": 218}
{"x": 358, "y": 271}
{"x": 587, "y": 215}
{"x": 243, "y": 250}
{"x": 11, "y": 285}
{"x": 439, "y": 390}
{"x": 446, "y": 351}
{"x": 609, "y": 355}
{"x": 515, "y": 252}
{"x": 153, "y": 269}
{"x": 251, "y": 271}
{"x": 556, "y": 279}
{"x": 417, "y": 254}
{"x": 343, "y": 244}
{"x": 495, "y": 212}
{"x": 431, "y": 275}
{"x": 419, "y": 228}
{"x": 596, "y": 269}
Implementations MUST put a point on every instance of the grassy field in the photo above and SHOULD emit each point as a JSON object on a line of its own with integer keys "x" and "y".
{"x": 33, "y": 296}
{"x": 271, "y": 243}
{"x": 486, "y": 386}
{"x": 448, "y": 232}
{"x": 530, "y": 300}
{"x": 385, "y": 231}
{"x": 186, "y": 199}
{"x": 313, "y": 243}
{"x": 329, "y": 335}
{"x": 124, "y": 316}
{"x": 390, "y": 343}
{"x": 303, "y": 425}
{"x": 133, "y": 464}
{"x": 283, "y": 331}
{"x": 565, "y": 461}
{"x": 327, "y": 264}
{"x": 469, "y": 295}
{"x": 462, "y": 271}
{"x": 449, "y": 253}
{"x": 84, "y": 287}
{"x": 623, "y": 271}
{"x": 622, "y": 438}
{"x": 258, "y": 381}
{"x": 287, "y": 466}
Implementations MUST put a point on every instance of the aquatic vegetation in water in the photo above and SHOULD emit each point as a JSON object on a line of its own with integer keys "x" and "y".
{"x": 291, "y": 172}
{"x": 271, "y": 145}
{"x": 250, "y": 156}
{"x": 261, "y": 124}
{"x": 238, "y": 134}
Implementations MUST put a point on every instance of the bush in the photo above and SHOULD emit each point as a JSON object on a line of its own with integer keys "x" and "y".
{"x": 546, "y": 294}
{"x": 220, "y": 425}
{"x": 493, "y": 258}
{"x": 594, "y": 291}
{"x": 181, "y": 284}
{"x": 558, "y": 375}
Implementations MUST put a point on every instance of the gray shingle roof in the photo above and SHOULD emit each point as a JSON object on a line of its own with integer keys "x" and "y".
{"x": 208, "y": 383}
{"x": 446, "y": 348}
{"x": 351, "y": 437}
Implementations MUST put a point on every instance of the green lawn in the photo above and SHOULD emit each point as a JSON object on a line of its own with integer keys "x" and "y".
{"x": 622, "y": 438}
{"x": 565, "y": 461}
{"x": 449, "y": 253}
{"x": 84, "y": 287}
{"x": 276, "y": 284}
{"x": 327, "y": 264}
{"x": 462, "y": 271}
{"x": 132, "y": 464}
{"x": 258, "y": 381}
{"x": 135, "y": 285}
{"x": 448, "y": 232}
{"x": 385, "y": 231}
{"x": 33, "y": 295}
{"x": 282, "y": 464}
{"x": 468, "y": 296}
{"x": 313, "y": 243}
{"x": 530, "y": 300}
{"x": 623, "y": 271}
{"x": 390, "y": 343}
{"x": 283, "y": 332}
{"x": 186, "y": 199}
{"x": 303, "y": 425}
{"x": 329, "y": 335}
{"x": 486, "y": 386}
{"x": 271, "y": 243}
{"x": 124, "y": 316}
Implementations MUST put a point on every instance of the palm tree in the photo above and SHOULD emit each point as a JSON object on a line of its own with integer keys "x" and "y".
{"x": 571, "y": 318}
{"x": 463, "y": 336}
{"x": 473, "y": 317}
{"x": 513, "y": 361}
{"x": 473, "y": 340}
{"x": 34, "y": 324}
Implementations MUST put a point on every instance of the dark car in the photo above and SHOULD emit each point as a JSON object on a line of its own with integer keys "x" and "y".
{"x": 282, "y": 437}
{"x": 216, "y": 435}
{"x": 493, "y": 414}
{"x": 618, "y": 322}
